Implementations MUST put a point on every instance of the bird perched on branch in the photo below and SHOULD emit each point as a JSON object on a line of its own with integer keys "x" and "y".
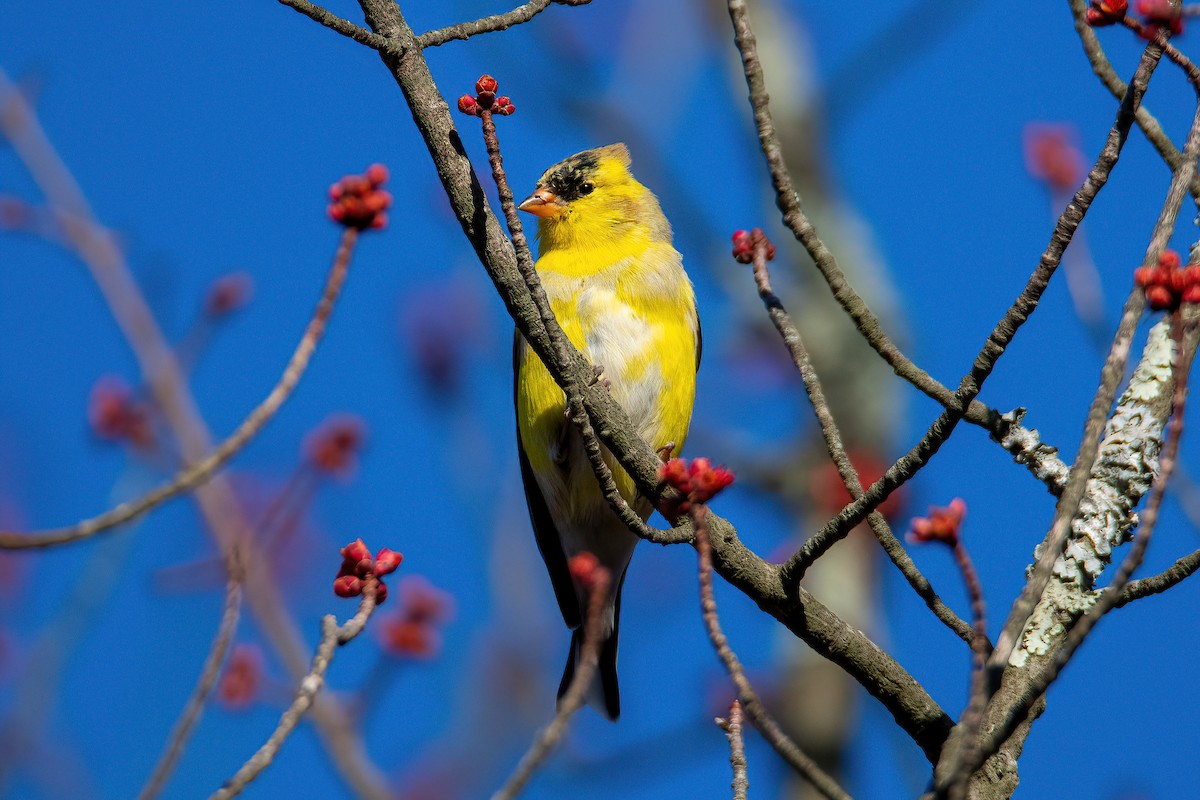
{"x": 618, "y": 289}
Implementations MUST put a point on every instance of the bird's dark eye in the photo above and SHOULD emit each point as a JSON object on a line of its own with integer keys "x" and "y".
{"x": 587, "y": 188}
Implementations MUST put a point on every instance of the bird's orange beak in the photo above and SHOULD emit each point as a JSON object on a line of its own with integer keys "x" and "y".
{"x": 542, "y": 203}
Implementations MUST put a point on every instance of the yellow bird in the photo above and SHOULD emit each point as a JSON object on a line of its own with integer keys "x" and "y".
{"x": 619, "y": 291}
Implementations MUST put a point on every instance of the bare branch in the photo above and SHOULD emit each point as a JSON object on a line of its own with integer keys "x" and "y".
{"x": 208, "y": 677}
{"x": 497, "y": 22}
{"x": 837, "y": 450}
{"x": 766, "y": 724}
{"x": 196, "y": 474}
{"x": 343, "y": 26}
{"x": 332, "y": 636}
{"x": 868, "y": 325}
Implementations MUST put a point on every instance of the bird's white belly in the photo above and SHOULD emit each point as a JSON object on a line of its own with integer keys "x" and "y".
{"x": 621, "y": 342}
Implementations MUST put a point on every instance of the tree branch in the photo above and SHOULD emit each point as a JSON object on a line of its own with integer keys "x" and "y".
{"x": 914, "y": 710}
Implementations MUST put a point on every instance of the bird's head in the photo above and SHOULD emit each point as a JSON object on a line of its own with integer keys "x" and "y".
{"x": 592, "y": 196}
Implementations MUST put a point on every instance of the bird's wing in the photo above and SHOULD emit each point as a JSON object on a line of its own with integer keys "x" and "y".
{"x": 544, "y": 529}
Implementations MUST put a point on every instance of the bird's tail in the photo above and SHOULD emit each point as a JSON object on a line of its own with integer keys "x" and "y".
{"x": 603, "y": 694}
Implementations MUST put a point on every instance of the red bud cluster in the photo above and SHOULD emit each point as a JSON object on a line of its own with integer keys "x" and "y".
{"x": 358, "y": 566}
{"x": 357, "y": 201}
{"x": 242, "y": 678}
{"x": 1159, "y": 14}
{"x": 333, "y": 446}
{"x": 227, "y": 294}
{"x": 1106, "y": 12}
{"x": 115, "y": 415}
{"x": 828, "y": 493}
{"x": 586, "y": 570}
{"x": 697, "y": 482}
{"x": 942, "y": 525}
{"x": 745, "y": 242}
{"x": 485, "y": 99}
{"x": 1052, "y": 155}
{"x": 414, "y": 631}
{"x": 1166, "y": 285}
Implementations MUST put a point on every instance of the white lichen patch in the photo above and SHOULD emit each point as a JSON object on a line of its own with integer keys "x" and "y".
{"x": 1125, "y": 468}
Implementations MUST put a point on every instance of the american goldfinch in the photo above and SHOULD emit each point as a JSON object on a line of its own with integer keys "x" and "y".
{"x": 618, "y": 289}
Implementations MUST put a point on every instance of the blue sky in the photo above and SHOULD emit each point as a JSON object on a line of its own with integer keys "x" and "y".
{"x": 206, "y": 134}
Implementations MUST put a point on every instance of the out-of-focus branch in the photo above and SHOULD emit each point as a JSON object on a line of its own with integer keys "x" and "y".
{"x": 216, "y": 500}
{"x": 195, "y": 705}
{"x": 837, "y": 451}
{"x": 198, "y": 472}
{"x": 914, "y": 710}
{"x": 496, "y": 22}
{"x": 585, "y": 672}
{"x": 766, "y": 724}
{"x": 732, "y": 725}
{"x": 332, "y": 636}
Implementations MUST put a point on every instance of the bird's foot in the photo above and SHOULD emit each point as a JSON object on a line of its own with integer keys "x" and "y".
{"x": 665, "y": 451}
{"x": 598, "y": 377}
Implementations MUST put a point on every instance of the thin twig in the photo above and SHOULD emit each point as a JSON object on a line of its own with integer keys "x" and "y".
{"x": 332, "y": 636}
{"x": 770, "y": 730}
{"x": 197, "y": 473}
{"x": 549, "y": 737}
{"x": 1111, "y": 376}
{"x": 837, "y": 450}
{"x": 343, "y": 26}
{"x": 972, "y": 716}
{"x": 195, "y": 705}
{"x": 1182, "y": 569}
{"x": 1112, "y": 596}
{"x": 497, "y": 22}
{"x": 732, "y": 725}
{"x": 576, "y": 410}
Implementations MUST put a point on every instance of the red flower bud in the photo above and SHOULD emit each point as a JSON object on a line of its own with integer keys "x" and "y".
{"x": 468, "y": 105}
{"x": 381, "y": 593}
{"x": 348, "y": 586}
{"x": 1143, "y": 276}
{"x": 377, "y": 174}
{"x": 386, "y": 561}
{"x": 1169, "y": 259}
{"x": 358, "y": 201}
{"x": 584, "y": 569}
{"x": 1160, "y": 298}
{"x": 1192, "y": 294}
{"x": 942, "y": 525}
{"x": 504, "y": 106}
{"x": 227, "y": 294}
{"x": 486, "y": 84}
